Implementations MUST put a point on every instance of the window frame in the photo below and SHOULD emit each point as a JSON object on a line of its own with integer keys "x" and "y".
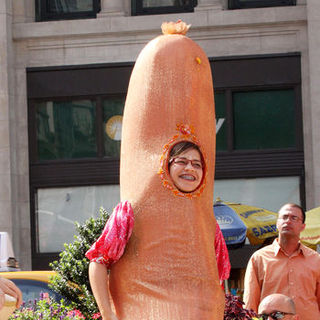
{"x": 263, "y": 72}
{"x": 65, "y": 173}
{"x": 42, "y": 13}
{"x": 98, "y": 99}
{"x": 138, "y": 9}
{"x": 95, "y": 82}
{"x": 256, "y": 73}
{"x": 229, "y": 92}
{"x": 237, "y": 4}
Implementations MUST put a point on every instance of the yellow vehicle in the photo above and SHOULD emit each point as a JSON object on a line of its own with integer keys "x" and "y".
{"x": 32, "y": 283}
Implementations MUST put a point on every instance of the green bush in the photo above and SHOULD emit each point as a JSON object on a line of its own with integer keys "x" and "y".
{"x": 72, "y": 279}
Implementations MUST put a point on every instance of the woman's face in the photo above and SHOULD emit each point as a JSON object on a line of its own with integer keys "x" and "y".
{"x": 186, "y": 170}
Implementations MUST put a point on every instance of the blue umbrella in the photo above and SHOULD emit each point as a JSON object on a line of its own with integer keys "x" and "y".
{"x": 233, "y": 229}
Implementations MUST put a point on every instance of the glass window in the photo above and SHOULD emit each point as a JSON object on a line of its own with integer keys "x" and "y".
{"x": 264, "y": 119}
{"x": 140, "y": 7}
{"x": 112, "y": 122}
{"x": 58, "y": 208}
{"x": 165, "y": 3}
{"x": 267, "y": 193}
{"x": 66, "y": 130}
{"x": 63, "y": 6}
{"x": 239, "y": 4}
{"x": 66, "y": 9}
{"x": 221, "y": 125}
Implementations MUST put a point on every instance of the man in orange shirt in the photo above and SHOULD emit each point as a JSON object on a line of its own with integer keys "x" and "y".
{"x": 287, "y": 267}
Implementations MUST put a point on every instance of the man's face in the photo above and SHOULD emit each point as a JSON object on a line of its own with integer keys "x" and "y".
{"x": 289, "y": 221}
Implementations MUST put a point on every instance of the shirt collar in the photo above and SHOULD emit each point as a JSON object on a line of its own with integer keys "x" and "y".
{"x": 276, "y": 248}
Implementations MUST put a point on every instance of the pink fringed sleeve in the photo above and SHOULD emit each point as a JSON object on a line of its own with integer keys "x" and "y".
{"x": 111, "y": 244}
{"x": 222, "y": 255}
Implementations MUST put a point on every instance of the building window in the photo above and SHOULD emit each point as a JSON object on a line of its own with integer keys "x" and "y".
{"x": 141, "y": 7}
{"x": 81, "y": 131}
{"x": 269, "y": 193}
{"x": 258, "y": 117}
{"x": 58, "y": 208}
{"x": 221, "y": 126}
{"x": 259, "y": 159}
{"x": 112, "y": 125}
{"x": 260, "y": 120}
{"x": 74, "y": 136}
{"x": 66, "y": 9}
{"x": 68, "y": 129}
{"x": 242, "y": 4}
{"x": 264, "y": 119}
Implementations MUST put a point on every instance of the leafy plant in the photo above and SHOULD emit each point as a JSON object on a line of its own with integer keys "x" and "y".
{"x": 47, "y": 309}
{"x": 72, "y": 280}
{"x": 234, "y": 309}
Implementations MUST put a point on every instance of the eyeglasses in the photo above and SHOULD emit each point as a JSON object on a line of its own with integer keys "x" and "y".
{"x": 183, "y": 162}
{"x": 287, "y": 217}
{"x": 274, "y": 315}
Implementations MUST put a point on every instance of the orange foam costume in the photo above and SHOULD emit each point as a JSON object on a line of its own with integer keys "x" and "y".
{"x": 168, "y": 270}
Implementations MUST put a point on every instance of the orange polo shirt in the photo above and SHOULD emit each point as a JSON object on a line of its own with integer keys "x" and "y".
{"x": 270, "y": 270}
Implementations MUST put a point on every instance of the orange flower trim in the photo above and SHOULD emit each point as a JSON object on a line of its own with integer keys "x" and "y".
{"x": 186, "y": 133}
{"x": 178, "y": 27}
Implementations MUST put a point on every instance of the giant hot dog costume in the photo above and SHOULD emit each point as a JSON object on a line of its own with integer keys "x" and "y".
{"x": 168, "y": 270}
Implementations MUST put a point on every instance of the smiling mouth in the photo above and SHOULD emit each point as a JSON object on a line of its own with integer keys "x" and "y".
{"x": 187, "y": 177}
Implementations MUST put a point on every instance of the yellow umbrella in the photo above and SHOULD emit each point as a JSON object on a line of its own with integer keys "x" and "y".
{"x": 311, "y": 234}
{"x": 260, "y": 223}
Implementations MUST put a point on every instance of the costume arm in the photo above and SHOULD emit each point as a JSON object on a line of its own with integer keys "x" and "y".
{"x": 252, "y": 290}
{"x": 98, "y": 276}
{"x": 222, "y": 255}
{"x": 318, "y": 293}
{"x": 107, "y": 250}
{"x": 111, "y": 244}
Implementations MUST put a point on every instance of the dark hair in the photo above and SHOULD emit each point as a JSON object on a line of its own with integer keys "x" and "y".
{"x": 294, "y": 205}
{"x": 183, "y": 146}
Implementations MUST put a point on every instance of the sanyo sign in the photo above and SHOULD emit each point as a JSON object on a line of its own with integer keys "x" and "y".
{"x": 219, "y": 123}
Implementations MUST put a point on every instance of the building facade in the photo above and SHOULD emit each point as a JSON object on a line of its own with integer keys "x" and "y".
{"x": 65, "y": 70}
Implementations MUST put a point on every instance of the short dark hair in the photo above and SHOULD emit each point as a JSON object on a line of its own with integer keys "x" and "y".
{"x": 182, "y": 146}
{"x": 294, "y": 205}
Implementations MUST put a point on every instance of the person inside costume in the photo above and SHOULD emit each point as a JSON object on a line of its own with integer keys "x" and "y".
{"x": 159, "y": 242}
{"x": 186, "y": 171}
{"x": 186, "y": 167}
